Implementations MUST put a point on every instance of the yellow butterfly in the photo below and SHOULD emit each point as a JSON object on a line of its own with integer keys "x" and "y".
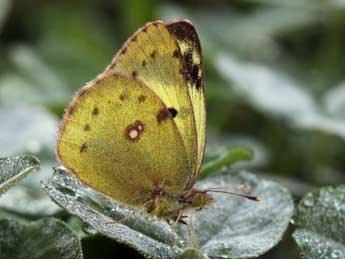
{"x": 137, "y": 132}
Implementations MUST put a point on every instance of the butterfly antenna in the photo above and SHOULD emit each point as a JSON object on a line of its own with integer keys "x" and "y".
{"x": 130, "y": 214}
{"x": 252, "y": 198}
{"x": 242, "y": 187}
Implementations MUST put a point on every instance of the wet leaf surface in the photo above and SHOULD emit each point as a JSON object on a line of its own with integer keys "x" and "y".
{"x": 46, "y": 238}
{"x": 13, "y": 169}
{"x": 321, "y": 221}
{"x": 230, "y": 228}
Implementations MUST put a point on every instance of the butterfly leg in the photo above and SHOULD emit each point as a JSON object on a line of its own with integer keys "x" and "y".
{"x": 180, "y": 221}
{"x": 173, "y": 229}
{"x": 192, "y": 240}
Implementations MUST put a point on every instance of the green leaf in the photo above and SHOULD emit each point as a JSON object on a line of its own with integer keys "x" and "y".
{"x": 321, "y": 221}
{"x": 238, "y": 228}
{"x": 46, "y": 238}
{"x": 27, "y": 197}
{"x": 226, "y": 159}
{"x": 14, "y": 169}
{"x": 150, "y": 237}
{"x": 230, "y": 228}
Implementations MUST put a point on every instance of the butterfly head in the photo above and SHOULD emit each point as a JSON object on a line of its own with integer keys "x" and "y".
{"x": 163, "y": 204}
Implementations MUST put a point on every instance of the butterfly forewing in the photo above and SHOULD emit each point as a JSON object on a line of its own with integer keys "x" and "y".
{"x": 110, "y": 139}
{"x": 153, "y": 56}
{"x": 190, "y": 49}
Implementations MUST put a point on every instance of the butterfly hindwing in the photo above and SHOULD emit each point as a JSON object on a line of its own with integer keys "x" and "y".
{"x": 190, "y": 49}
{"x": 112, "y": 140}
{"x": 153, "y": 56}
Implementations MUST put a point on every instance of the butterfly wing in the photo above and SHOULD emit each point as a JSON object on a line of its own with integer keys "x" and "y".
{"x": 190, "y": 49}
{"x": 153, "y": 56}
{"x": 111, "y": 139}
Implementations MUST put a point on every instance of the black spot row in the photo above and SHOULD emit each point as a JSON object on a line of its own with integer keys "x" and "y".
{"x": 83, "y": 148}
{"x": 192, "y": 70}
{"x": 95, "y": 111}
{"x": 87, "y": 127}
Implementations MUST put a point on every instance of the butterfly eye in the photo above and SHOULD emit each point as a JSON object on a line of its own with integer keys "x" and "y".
{"x": 181, "y": 199}
{"x": 150, "y": 207}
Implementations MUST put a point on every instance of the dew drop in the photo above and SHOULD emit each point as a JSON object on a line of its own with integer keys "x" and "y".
{"x": 335, "y": 254}
{"x": 309, "y": 201}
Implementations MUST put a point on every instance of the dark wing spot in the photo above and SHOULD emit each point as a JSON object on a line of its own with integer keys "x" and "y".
{"x": 87, "y": 127}
{"x": 192, "y": 70}
{"x": 134, "y": 131}
{"x": 153, "y": 54}
{"x": 141, "y": 98}
{"x": 163, "y": 114}
{"x": 198, "y": 84}
{"x": 143, "y": 63}
{"x": 95, "y": 111}
{"x": 134, "y": 73}
{"x": 195, "y": 71}
{"x": 83, "y": 148}
{"x": 185, "y": 32}
{"x": 172, "y": 111}
{"x": 145, "y": 29}
{"x": 195, "y": 77}
{"x": 123, "y": 96}
{"x": 134, "y": 38}
{"x": 188, "y": 61}
{"x": 176, "y": 53}
{"x": 139, "y": 126}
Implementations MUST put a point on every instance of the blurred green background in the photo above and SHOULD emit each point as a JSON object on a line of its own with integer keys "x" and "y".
{"x": 274, "y": 71}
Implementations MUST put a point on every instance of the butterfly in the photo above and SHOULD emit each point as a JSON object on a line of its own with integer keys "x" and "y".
{"x": 137, "y": 132}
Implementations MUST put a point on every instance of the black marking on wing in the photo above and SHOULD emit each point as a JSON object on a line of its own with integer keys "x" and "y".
{"x": 185, "y": 33}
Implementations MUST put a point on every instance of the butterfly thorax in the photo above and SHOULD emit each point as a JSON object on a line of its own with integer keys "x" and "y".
{"x": 164, "y": 205}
